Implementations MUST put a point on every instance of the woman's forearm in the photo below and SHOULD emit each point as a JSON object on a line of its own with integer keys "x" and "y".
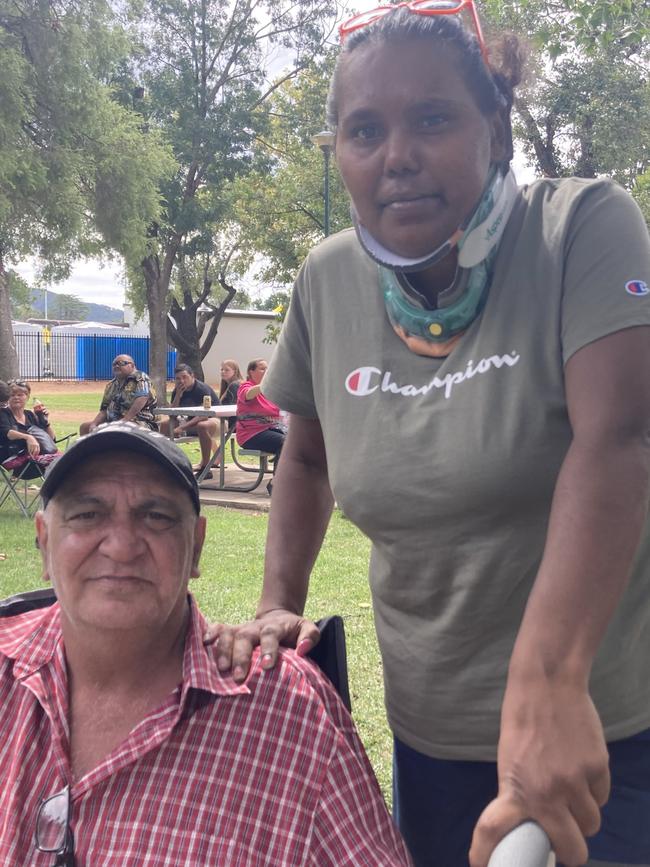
{"x": 253, "y": 392}
{"x": 17, "y": 435}
{"x": 598, "y": 513}
{"x": 302, "y": 505}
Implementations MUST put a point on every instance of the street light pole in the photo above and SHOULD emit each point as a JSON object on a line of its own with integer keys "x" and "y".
{"x": 325, "y": 141}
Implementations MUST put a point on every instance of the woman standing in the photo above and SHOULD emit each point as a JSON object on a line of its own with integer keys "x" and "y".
{"x": 469, "y": 372}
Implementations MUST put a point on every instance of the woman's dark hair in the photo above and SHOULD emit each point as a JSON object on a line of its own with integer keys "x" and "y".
{"x": 252, "y": 365}
{"x": 492, "y": 88}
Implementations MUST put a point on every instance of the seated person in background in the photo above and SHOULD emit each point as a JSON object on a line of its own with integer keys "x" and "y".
{"x": 190, "y": 391}
{"x": 4, "y": 393}
{"x": 231, "y": 378}
{"x": 22, "y": 430}
{"x": 129, "y": 396}
{"x": 119, "y": 728}
{"x": 258, "y": 420}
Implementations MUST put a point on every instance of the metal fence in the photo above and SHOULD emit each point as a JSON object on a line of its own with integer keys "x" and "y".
{"x": 43, "y": 356}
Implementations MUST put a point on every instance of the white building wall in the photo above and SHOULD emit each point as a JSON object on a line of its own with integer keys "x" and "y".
{"x": 240, "y": 336}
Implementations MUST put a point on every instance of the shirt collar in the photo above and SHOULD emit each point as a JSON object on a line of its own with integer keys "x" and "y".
{"x": 200, "y": 661}
{"x": 37, "y": 641}
{"x": 32, "y": 645}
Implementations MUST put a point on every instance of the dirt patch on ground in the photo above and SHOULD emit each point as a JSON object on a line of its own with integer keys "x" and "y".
{"x": 52, "y": 386}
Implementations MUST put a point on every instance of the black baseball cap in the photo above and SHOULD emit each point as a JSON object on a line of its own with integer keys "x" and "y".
{"x": 123, "y": 436}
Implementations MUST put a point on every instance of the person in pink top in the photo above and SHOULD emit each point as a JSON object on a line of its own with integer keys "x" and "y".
{"x": 258, "y": 420}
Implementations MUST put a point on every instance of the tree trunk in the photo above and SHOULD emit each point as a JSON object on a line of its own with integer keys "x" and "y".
{"x": 156, "y": 304}
{"x": 8, "y": 354}
{"x": 185, "y": 337}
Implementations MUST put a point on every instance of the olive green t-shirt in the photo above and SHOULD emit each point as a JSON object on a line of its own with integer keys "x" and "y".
{"x": 449, "y": 465}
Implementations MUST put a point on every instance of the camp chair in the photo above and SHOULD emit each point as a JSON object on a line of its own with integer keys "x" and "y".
{"x": 17, "y": 471}
{"x": 329, "y": 654}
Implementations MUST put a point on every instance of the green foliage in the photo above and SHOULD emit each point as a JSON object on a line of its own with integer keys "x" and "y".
{"x": 204, "y": 65}
{"x": 20, "y": 294}
{"x": 280, "y": 205}
{"x": 76, "y": 171}
{"x": 641, "y": 193}
{"x": 585, "y": 109}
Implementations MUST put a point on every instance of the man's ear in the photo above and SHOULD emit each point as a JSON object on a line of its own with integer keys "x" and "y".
{"x": 40, "y": 524}
{"x": 199, "y": 539}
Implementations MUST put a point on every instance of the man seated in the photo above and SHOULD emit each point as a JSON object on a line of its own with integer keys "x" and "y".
{"x": 123, "y": 744}
{"x": 190, "y": 391}
{"x": 129, "y": 396}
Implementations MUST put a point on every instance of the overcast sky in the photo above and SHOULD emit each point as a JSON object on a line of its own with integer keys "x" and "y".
{"x": 103, "y": 282}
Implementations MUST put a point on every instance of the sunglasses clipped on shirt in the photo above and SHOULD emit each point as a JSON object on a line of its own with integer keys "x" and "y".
{"x": 53, "y": 832}
{"x": 418, "y": 7}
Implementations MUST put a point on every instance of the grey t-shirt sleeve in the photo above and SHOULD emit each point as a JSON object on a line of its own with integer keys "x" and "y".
{"x": 288, "y": 382}
{"x": 607, "y": 268}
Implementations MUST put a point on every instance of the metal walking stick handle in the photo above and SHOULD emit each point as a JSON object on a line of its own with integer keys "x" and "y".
{"x": 525, "y": 846}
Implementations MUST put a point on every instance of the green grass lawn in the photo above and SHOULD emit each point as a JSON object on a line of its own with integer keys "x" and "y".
{"x": 230, "y": 583}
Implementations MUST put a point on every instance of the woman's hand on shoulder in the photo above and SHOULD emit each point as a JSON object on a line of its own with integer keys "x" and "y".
{"x": 235, "y": 644}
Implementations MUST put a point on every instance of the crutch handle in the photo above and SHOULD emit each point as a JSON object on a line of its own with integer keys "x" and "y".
{"x": 525, "y": 846}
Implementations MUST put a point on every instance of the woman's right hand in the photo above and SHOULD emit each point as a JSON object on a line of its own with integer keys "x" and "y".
{"x": 33, "y": 447}
{"x": 235, "y": 644}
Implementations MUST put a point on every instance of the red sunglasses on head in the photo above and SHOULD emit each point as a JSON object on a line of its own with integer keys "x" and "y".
{"x": 418, "y": 7}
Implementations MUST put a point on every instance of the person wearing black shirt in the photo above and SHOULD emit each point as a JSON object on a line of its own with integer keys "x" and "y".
{"x": 190, "y": 391}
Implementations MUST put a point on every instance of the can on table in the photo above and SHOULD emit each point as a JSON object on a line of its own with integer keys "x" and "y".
{"x": 207, "y": 402}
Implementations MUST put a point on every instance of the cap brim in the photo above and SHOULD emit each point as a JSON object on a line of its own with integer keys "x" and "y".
{"x": 112, "y": 437}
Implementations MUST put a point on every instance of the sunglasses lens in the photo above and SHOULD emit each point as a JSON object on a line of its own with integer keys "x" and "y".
{"x": 442, "y": 5}
{"x": 52, "y": 823}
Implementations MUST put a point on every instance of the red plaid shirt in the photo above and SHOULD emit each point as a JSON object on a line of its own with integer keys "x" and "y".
{"x": 270, "y": 772}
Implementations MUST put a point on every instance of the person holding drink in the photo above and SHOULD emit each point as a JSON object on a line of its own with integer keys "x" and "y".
{"x": 22, "y": 430}
{"x": 440, "y": 363}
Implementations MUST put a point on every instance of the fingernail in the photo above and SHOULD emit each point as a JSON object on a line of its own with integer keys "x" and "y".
{"x": 304, "y": 647}
{"x": 267, "y": 660}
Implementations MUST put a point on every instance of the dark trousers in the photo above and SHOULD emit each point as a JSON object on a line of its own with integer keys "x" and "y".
{"x": 270, "y": 440}
{"x": 437, "y": 803}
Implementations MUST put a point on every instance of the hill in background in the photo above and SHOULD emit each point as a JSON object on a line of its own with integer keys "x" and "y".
{"x": 61, "y": 306}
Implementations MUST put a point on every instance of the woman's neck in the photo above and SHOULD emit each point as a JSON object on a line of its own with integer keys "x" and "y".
{"x": 435, "y": 279}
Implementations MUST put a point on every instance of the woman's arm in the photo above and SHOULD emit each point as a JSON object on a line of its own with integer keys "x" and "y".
{"x": 252, "y": 392}
{"x": 31, "y": 443}
{"x": 553, "y": 762}
{"x": 302, "y": 505}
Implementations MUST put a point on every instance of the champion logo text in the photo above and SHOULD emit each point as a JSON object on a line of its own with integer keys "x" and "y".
{"x": 363, "y": 381}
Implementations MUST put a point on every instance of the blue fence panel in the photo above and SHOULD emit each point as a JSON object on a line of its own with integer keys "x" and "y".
{"x": 83, "y": 356}
{"x": 171, "y": 363}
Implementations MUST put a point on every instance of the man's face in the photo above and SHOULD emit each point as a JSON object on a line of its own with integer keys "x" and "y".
{"x": 123, "y": 366}
{"x": 184, "y": 380}
{"x": 120, "y": 541}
